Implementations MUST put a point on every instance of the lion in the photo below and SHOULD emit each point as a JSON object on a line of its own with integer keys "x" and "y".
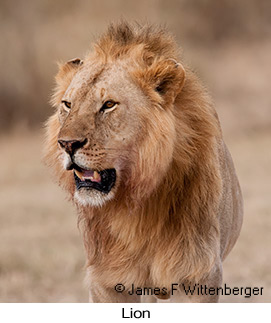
{"x": 137, "y": 144}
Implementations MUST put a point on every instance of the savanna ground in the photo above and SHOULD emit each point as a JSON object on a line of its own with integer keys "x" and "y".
{"x": 41, "y": 252}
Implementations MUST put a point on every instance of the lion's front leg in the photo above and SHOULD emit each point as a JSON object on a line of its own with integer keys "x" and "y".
{"x": 203, "y": 292}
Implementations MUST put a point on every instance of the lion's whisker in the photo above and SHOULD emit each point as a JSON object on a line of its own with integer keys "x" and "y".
{"x": 120, "y": 149}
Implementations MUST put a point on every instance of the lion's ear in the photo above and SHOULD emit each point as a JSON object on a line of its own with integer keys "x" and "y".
{"x": 169, "y": 76}
{"x": 67, "y": 69}
{"x": 75, "y": 62}
{"x": 63, "y": 78}
{"x": 166, "y": 77}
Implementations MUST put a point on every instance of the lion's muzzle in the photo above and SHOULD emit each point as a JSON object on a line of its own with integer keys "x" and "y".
{"x": 85, "y": 177}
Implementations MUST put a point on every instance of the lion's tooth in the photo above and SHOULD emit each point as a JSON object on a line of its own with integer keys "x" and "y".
{"x": 78, "y": 174}
{"x": 97, "y": 176}
{"x": 94, "y": 176}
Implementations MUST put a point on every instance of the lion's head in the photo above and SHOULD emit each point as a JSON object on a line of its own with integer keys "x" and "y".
{"x": 113, "y": 131}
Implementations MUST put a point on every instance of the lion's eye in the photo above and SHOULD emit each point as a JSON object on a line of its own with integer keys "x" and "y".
{"x": 108, "y": 105}
{"x": 67, "y": 104}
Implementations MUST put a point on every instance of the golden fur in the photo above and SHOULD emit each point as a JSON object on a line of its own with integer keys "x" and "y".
{"x": 176, "y": 209}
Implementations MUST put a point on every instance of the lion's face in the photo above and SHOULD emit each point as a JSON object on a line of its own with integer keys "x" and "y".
{"x": 100, "y": 120}
{"x": 114, "y": 135}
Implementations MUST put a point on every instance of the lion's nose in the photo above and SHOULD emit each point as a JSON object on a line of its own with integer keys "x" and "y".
{"x": 70, "y": 146}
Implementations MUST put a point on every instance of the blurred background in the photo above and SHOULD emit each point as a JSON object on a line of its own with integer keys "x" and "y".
{"x": 227, "y": 42}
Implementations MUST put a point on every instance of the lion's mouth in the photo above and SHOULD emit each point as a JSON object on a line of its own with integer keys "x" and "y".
{"x": 102, "y": 181}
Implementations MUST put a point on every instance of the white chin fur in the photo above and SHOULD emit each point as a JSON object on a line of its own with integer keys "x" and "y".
{"x": 92, "y": 197}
